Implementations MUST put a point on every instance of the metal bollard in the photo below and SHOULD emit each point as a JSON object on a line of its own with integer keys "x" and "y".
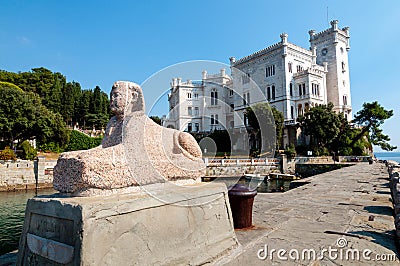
{"x": 241, "y": 199}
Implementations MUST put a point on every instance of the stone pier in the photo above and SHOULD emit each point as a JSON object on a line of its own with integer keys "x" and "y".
{"x": 347, "y": 209}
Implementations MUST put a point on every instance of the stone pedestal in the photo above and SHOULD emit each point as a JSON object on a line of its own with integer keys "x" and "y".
{"x": 188, "y": 227}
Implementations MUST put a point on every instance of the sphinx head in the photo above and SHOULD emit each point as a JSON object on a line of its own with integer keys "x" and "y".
{"x": 126, "y": 97}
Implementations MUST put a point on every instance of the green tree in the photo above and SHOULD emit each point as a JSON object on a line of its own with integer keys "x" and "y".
{"x": 265, "y": 120}
{"x": 156, "y": 119}
{"x": 279, "y": 119}
{"x": 23, "y": 117}
{"x": 96, "y": 103}
{"x": 322, "y": 124}
{"x": 371, "y": 117}
{"x": 28, "y": 151}
{"x": 68, "y": 99}
{"x": 84, "y": 106}
{"x": 58, "y": 96}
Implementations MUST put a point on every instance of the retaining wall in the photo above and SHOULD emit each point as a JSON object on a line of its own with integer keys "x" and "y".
{"x": 23, "y": 174}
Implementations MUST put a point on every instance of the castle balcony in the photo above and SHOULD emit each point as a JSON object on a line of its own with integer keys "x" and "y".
{"x": 346, "y": 107}
{"x": 309, "y": 71}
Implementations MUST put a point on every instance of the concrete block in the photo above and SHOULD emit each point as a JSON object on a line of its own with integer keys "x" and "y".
{"x": 188, "y": 227}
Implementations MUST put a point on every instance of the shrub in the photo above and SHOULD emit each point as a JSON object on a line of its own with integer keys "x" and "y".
{"x": 290, "y": 151}
{"x": 28, "y": 151}
{"x": 80, "y": 141}
{"x": 50, "y": 147}
{"x": 7, "y": 154}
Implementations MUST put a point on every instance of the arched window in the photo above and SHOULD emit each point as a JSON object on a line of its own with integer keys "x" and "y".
{"x": 292, "y": 112}
{"x": 273, "y": 92}
{"x": 214, "y": 97}
{"x": 268, "y": 93}
{"x": 299, "y": 110}
{"x": 291, "y": 89}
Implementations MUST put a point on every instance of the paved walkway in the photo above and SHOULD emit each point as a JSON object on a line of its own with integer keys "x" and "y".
{"x": 353, "y": 200}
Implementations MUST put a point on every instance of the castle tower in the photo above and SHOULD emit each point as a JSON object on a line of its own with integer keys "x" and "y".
{"x": 332, "y": 46}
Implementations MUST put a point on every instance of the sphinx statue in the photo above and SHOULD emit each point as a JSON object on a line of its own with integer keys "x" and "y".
{"x": 135, "y": 151}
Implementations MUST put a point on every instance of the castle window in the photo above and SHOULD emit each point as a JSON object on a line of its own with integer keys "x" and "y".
{"x": 344, "y": 100}
{"x": 230, "y": 92}
{"x": 307, "y": 106}
{"x": 196, "y": 95}
{"x": 270, "y": 71}
{"x": 291, "y": 89}
{"x": 244, "y": 99}
{"x": 299, "y": 68}
{"x": 189, "y": 95}
{"x": 189, "y": 110}
{"x": 214, "y": 97}
{"x": 300, "y": 91}
{"x": 304, "y": 89}
{"x": 248, "y": 98}
{"x": 343, "y": 66}
{"x": 299, "y": 110}
{"x": 292, "y": 112}
{"x": 273, "y": 92}
{"x": 196, "y": 126}
{"x": 214, "y": 119}
{"x": 246, "y": 78}
{"x": 196, "y": 111}
{"x": 189, "y": 127}
{"x": 269, "y": 93}
{"x": 315, "y": 89}
{"x": 290, "y": 67}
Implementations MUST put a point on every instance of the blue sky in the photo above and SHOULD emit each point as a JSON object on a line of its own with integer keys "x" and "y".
{"x": 99, "y": 42}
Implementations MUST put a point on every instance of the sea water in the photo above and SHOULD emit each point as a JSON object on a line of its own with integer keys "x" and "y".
{"x": 388, "y": 156}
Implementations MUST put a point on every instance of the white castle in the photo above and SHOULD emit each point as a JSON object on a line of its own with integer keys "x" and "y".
{"x": 291, "y": 78}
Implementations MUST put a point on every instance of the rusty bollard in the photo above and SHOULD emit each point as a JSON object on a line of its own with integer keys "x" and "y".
{"x": 241, "y": 199}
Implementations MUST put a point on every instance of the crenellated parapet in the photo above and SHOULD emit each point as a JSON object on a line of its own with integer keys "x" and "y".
{"x": 257, "y": 54}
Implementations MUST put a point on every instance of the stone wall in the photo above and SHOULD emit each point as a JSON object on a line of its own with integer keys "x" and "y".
{"x": 394, "y": 175}
{"x": 23, "y": 174}
{"x": 241, "y": 170}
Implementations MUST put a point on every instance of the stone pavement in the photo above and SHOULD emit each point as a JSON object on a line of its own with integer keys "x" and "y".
{"x": 348, "y": 212}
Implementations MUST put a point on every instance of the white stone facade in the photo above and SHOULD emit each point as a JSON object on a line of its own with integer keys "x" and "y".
{"x": 201, "y": 106}
{"x": 291, "y": 78}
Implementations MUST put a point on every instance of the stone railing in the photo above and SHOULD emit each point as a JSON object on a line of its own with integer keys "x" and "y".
{"x": 289, "y": 122}
{"x": 241, "y": 161}
{"x": 394, "y": 175}
{"x": 329, "y": 159}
